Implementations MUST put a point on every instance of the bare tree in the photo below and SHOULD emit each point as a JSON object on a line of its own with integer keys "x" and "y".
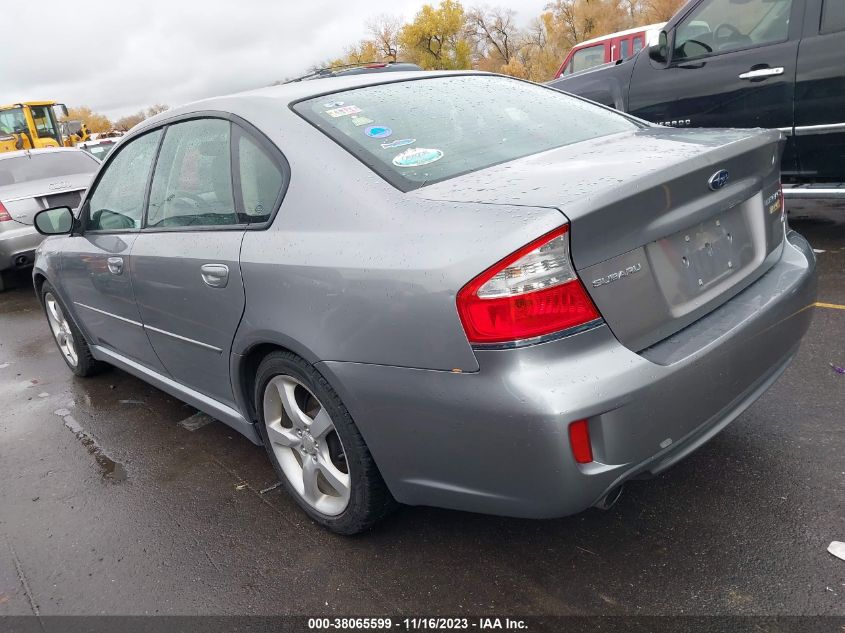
{"x": 384, "y": 31}
{"x": 157, "y": 108}
{"x": 130, "y": 121}
{"x": 494, "y": 32}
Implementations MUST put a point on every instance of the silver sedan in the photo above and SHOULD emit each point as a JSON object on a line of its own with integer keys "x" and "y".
{"x": 450, "y": 289}
{"x": 29, "y": 182}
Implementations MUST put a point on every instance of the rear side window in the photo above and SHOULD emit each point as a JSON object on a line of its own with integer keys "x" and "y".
{"x": 261, "y": 180}
{"x": 192, "y": 183}
{"x": 36, "y": 166}
{"x": 423, "y": 131}
{"x": 117, "y": 201}
{"x": 833, "y": 16}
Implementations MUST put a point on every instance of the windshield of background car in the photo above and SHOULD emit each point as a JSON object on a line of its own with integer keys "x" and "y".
{"x": 36, "y": 166}
{"x": 419, "y": 132}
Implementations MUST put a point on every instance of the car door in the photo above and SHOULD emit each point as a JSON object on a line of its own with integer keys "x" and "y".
{"x": 96, "y": 265}
{"x": 732, "y": 64}
{"x": 186, "y": 272}
{"x": 820, "y": 92}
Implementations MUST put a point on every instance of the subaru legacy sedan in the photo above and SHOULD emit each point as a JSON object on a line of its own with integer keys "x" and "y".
{"x": 446, "y": 289}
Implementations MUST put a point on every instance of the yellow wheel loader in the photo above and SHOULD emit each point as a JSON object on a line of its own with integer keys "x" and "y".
{"x": 34, "y": 124}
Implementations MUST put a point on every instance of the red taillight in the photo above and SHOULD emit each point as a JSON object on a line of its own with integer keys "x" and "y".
{"x": 4, "y": 215}
{"x": 533, "y": 292}
{"x": 579, "y": 439}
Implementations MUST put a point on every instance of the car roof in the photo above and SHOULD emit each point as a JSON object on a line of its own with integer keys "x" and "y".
{"x": 285, "y": 94}
{"x": 32, "y": 152}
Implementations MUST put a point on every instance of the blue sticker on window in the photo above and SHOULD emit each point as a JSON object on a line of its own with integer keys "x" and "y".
{"x": 417, "y": 157}
{"x": 378, "y": 131}
{"x": 333, "y": 104}
{"x": 400, "y": 142}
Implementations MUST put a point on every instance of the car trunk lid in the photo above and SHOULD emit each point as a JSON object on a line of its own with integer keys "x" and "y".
{"x": 656, "y": 246}
{"x": 23, "y": 200}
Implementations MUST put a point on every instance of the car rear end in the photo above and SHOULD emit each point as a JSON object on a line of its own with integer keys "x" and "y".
{"x": 670, "y": 296}
{"x": 31, "y": 181}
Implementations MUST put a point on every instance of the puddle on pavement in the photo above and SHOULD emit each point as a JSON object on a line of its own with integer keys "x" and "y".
{"x": 109, "y": 468}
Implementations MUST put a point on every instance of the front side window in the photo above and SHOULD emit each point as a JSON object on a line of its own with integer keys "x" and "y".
{"x": 638, "y": 44}
{"x": 117, "y": 202}
{"x": 720, "y": 26}
{"x": 624, "y": 49}
{"x": 261, "y": 180}
{"x": 423, "y": 131}
{"x": 587, "y": 58}
{"x": 192, "y": 184}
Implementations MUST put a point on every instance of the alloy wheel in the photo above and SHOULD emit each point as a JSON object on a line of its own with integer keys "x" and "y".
{"x": 61, "y": 329}
{"x": 306, "y": 445}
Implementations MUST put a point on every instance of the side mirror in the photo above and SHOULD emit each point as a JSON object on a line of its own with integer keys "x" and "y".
{"x": 56, "y": 221}
{"x": 659, "y": 53}
{"x": 63, "y": 109}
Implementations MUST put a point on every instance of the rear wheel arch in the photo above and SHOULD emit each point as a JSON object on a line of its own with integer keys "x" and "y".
{"x": 246, "y": 367}
{"x": 368, "y": 497}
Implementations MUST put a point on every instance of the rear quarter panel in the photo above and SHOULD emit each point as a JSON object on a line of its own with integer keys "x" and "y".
{"x": 358, "y": 271}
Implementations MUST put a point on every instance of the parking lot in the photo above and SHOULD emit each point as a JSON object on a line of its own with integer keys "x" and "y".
{"x": 118, "y": 499}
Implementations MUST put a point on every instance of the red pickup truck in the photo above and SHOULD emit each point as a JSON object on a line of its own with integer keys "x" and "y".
{"x": 609, "y": 48}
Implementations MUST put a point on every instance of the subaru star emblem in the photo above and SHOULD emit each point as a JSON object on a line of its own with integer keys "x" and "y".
{"x": 719, "y": 179}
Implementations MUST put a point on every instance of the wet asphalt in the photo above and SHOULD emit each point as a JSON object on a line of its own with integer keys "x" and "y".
{"x": 117, "y": 499}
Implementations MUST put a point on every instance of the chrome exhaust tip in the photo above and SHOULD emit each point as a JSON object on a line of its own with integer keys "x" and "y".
{"x": 610, "y": 499}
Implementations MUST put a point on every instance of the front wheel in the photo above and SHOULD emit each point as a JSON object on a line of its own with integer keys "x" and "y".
{"x": 73, "y": 347}
{"x": 316, "y": 448}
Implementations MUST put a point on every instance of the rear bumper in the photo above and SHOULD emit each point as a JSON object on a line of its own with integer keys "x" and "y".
{"x": 495, "y": 441}
{"x": 17, "y": 246}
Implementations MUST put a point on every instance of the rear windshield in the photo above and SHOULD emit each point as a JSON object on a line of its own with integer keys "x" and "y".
{"x": 35, "y": 166}
{"x": 99, "y": 150}
{"x": 419, "y": 132}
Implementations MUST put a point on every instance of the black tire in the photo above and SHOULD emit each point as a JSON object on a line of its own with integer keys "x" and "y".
{"x": 369, "y": 499}
{"x": 86, "y": 364}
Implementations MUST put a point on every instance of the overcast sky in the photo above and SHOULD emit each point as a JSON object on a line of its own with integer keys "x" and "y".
{"x": 130, "y": 54}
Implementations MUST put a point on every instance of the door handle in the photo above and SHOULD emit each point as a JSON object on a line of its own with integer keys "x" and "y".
{"x": 115, "y": 265}
{"x": 761, "y": 73}
{"x": 215, "y": 275}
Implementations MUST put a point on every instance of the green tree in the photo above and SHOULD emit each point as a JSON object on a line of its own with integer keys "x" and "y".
{"x": 437, "y": 37}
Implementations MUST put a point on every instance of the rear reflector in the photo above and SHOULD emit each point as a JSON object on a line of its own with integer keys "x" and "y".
{"x": 531, "y": 293}
{"x": 579, "y": 439}
{"x": 4, "y": 215}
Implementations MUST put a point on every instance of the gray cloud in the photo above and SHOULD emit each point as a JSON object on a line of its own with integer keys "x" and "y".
{"x": 131, "y": 54}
